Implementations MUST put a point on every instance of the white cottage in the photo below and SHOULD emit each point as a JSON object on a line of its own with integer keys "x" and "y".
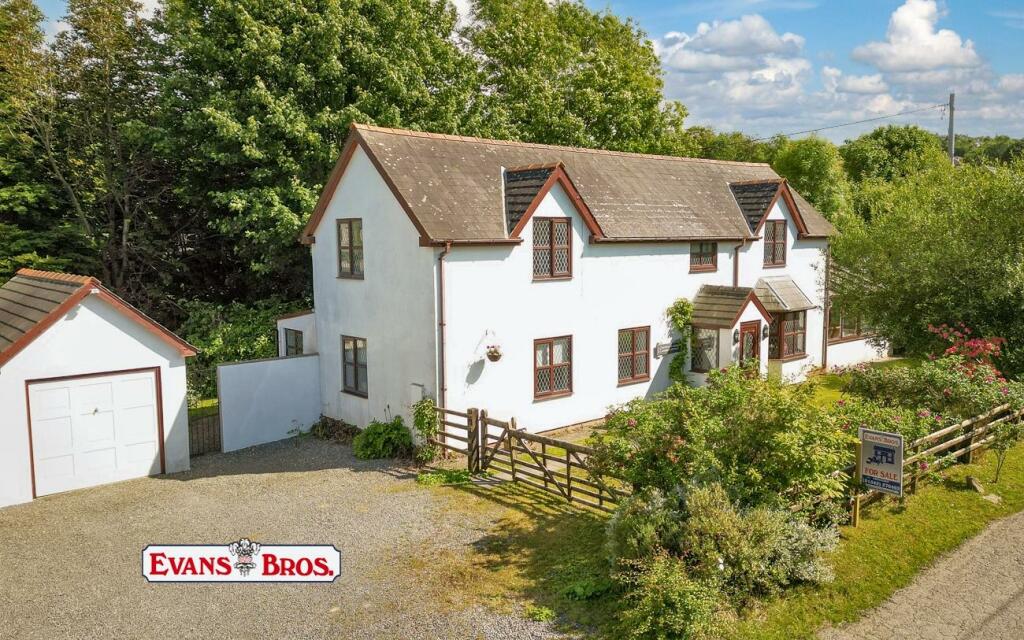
{"x": 533, "y": 280}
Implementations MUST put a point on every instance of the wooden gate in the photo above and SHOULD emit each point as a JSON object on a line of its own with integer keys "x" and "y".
{"x": 500, "y": 448}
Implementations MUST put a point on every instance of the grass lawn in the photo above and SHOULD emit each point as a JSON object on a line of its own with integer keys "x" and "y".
{"x": 892, "y": 544}
{"x": 203, "y": 408}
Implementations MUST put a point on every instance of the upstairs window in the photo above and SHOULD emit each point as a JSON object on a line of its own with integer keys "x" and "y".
{"x": 292, "y": 342}
{"x": 705, "y": 350}
{"x": 552, "y": 244}
{"x": 350, "y": 248}
{"x": 634, "y": 354}
{"x": 787, "y": 337}
{"x": 775, "y": 243}
{"x": 552, "y": 367}
{"x": 353, "y": 365}
{"x": 703, "y": 256}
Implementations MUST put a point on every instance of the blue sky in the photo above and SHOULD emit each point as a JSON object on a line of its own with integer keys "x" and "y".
{"x": 769, "y": 66}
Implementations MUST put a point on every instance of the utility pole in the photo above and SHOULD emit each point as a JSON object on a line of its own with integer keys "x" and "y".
{"x": 952, "y": 139}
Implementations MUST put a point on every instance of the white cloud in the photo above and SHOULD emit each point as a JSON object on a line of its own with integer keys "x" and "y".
{"x": 913, "y": 44}
{"x": 836, "y": 81}
{"x": 749, "y": 35}
{"x": 1012, "y": 83}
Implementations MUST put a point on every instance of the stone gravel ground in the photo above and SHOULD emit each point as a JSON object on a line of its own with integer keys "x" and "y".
{"x": 975, "y": 592}
{"x": 70, "y": 563}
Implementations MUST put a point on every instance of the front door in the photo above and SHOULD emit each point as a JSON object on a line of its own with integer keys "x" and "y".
{"x": 750, "y": 341}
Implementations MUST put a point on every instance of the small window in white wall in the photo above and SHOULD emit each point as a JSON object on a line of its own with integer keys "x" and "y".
{"x": 552, "y": 248}
{"x": 350, "y": 248}
{"x": 353, "y": 365}
{"x": 292, "y": 342}
{"x": 705, "y": 350}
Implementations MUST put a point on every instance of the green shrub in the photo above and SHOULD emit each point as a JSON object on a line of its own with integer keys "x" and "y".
{"x": 442, "y": 477}
{"x": 950, "y": 387}
{"x": 750, "y": 552}
{"x": 762, "y": 440}
{"x": 680, "y": 317}
{"x": 644, "y": 524}
{"x": 330, "y": 429}
{"x": 383, "y": 440}
{"x": 664, "y": 603}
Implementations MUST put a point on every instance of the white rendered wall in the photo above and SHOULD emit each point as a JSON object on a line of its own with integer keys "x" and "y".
{"x": 393, "y": 307}
{"x": 805, "y": 264}
{"x": 91, "y": 338}
{"x": 851, "y": 352}
{"x": 267, "y": 400}
{"x": 305, "y": 323}
{"x": 492, "y": 299}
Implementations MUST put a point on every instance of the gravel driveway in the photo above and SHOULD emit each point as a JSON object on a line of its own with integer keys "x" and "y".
{"x": 975, "y": 592}
{"x": 69, "y": 563}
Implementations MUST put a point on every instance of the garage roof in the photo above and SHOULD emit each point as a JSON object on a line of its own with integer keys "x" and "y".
{"x": 33, "y": 300}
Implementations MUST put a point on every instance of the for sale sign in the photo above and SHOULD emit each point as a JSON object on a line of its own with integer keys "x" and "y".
{"x": 881, "y": 461}
{"x": 241, "y": 561}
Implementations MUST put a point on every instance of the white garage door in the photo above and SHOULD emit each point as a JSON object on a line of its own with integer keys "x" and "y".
{"x": 94, "y": 430}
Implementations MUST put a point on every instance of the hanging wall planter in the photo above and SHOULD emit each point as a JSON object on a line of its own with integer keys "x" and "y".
{"x": 494, "y": 353}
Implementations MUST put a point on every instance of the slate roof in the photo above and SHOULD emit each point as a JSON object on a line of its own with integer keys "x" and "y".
{"x": 754, "y": 198}
{"x": 28, "y": 298}
{"x": 452, "y": 188}
{"x": 718, "y": 306}
{"x": 521, "y": 187}
{"x": 782, "y": 294}
{"x": 33, "y": 300}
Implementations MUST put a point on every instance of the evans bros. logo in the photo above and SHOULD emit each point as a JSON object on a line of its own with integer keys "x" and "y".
{"x": 242, "y": 561}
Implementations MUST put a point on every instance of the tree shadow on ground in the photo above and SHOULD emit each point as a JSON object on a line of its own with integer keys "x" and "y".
{"x": 550, "y": 553}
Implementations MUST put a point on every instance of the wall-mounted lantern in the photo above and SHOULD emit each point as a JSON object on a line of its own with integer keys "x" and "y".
{"x": 764, "y": 332}
{"x": 736, "y": 336}
{"x": 493, "y": 353}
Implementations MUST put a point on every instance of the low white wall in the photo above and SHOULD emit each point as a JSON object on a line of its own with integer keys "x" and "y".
{"x": 851, "y": 352}
{"x": 262, "y": 400}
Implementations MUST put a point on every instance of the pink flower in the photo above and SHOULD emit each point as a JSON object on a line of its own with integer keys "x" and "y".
{"x": 924, "y": 413}
{"x": 631, "y": 422}
{"x": 841, "y": 403}
{"x": 1005, "y": 391}
{"x": 922, "y": 465}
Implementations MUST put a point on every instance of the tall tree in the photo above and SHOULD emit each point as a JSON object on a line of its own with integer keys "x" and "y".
{"x": 559, "y": 73}
{"x": 33, "y": 232}
{"x": 939, "y": 247}
{"x": 892, "y": 152}
{"x": 84, "y": 108}
{"x": 814, "y": 167}
{"x": 259, "y": 95}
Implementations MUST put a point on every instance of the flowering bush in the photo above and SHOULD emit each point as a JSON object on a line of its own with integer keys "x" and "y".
{"x": 851, "y": 414}
{"x": 973, "y": 349}
{"x": 950, "y": 386}
{"x": 761, "y": 439}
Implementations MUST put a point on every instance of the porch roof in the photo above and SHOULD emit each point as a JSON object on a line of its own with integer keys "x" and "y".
{"x": 780, "y": 294}
{"x": 720, "y": 307}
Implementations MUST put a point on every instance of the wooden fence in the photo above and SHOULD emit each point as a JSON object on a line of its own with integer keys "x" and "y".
{"x": 959, "y": 441}
{"x": 555, "y": 466}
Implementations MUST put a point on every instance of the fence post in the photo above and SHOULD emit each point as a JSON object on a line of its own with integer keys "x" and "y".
{"x": 968, "y": 456}
{"x": 472, "y": 439}
{"x": 511, "y": 450}
{"x": 855, "y": 498}
{"x": 481, "y": 440}
{"x": 914, "y": 470}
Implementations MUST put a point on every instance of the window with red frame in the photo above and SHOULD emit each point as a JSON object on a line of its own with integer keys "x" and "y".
{"x": 634, "y": 354}
{"x": 552, "y": 367}
{"x": 552, "y": 244}
{"x": 775, "y": 243}
{"x": 703, "y": 256}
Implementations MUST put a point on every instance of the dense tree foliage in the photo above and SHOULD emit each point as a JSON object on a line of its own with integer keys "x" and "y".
{"x": 814, "y": 167}
{"x": 892, "y": 152}
{"x": 562, "y": 74}
{"x": 939, "y": 247}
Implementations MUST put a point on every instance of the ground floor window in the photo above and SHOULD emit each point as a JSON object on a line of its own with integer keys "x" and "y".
{"x": 634, "y": 354}
{"x": 292, "y": 342}
{"x": 845, "y": 326}
{"x": 705, "y": 350}
{"x": 787, "y": 337}
{"x": 353, "y": 369}
{"x": 552, "y": 367}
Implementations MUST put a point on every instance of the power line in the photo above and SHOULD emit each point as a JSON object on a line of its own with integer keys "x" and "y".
{"x": 942, "y": 105}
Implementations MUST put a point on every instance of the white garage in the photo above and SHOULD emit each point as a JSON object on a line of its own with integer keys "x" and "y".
{"x": 92, "y": 391}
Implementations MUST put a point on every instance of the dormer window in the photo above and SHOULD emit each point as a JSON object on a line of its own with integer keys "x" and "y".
{"x": 552, "y": 242}
{"x": 775, "y": 243}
